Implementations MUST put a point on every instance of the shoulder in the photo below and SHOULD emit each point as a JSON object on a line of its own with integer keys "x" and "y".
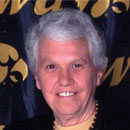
{"x": 36, "y": 123}
{"x": 111, "y": 118}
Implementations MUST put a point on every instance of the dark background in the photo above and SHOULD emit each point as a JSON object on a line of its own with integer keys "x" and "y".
{"x": 21, "y": 100}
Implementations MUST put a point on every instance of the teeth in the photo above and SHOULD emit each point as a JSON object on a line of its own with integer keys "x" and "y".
{"x": 66, "y": 94}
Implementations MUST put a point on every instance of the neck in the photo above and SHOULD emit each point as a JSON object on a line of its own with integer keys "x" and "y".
{"x": 74, "y": 119}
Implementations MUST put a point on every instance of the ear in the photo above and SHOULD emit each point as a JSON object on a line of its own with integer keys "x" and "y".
{"x": 37, "y": 83}
{"x": 99, "y": 76}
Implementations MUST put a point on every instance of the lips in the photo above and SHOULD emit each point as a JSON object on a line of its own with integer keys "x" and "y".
{"x": 66, "y": 94}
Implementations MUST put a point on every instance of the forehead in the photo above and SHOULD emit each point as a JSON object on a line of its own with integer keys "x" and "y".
{"x": 47, "y": 43}
{"x": 51, "y": 48}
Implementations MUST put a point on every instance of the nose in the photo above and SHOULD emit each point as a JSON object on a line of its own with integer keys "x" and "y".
{"x": 65, "y": 79}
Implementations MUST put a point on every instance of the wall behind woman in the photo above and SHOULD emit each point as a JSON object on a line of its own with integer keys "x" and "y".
{"x": 19, "y": 98}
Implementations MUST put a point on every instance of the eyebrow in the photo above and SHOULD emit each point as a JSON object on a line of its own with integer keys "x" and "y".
{"x": 83, "y": 60}
{"x": 80, "y": 60}
{"x": 47, "y": 60}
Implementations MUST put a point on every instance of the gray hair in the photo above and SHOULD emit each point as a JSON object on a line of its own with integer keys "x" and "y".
{"x": 65, "y": 25}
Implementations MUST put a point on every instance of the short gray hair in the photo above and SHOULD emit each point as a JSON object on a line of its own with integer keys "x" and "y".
{"x": 64, "y": 25}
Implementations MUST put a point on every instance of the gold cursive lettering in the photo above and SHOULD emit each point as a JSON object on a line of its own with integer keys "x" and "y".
{"x": 40, "y": 6}
{"x": 116, "y": 68}
{"x": 99, "y": 8}
{"x": 16, "y": 5}
{"x": 82, "y": 4}
{"x": 3, "y": 5}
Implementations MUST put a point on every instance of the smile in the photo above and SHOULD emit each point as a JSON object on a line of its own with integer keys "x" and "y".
{"x": 66, "y": 94}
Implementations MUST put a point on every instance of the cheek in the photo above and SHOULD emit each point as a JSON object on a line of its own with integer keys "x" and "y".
{"x": 86, "y": 80}
{"x": 47, "y": 81}
{"x": 83, "y": 78}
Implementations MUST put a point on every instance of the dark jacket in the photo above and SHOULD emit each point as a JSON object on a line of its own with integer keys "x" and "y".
{"x": 107, "y": 119}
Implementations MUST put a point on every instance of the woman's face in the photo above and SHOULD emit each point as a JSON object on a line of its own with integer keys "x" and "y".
{"x": 67, "y": 77}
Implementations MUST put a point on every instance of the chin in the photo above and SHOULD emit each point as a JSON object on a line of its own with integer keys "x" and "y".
{"x": 66, "y": 111}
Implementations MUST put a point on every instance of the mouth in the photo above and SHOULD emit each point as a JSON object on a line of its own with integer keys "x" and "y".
{"x": 66, "y": 94}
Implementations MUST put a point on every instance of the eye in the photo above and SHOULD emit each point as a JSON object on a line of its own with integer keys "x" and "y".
{"x": 50, "y": 66}
{"x": 77, "y": 65}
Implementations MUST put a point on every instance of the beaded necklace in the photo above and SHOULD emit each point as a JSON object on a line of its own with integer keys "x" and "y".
{"x": 87, "y": 125}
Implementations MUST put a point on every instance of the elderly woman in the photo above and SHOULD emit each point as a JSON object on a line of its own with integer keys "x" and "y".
{"x": 67, "y": 57}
